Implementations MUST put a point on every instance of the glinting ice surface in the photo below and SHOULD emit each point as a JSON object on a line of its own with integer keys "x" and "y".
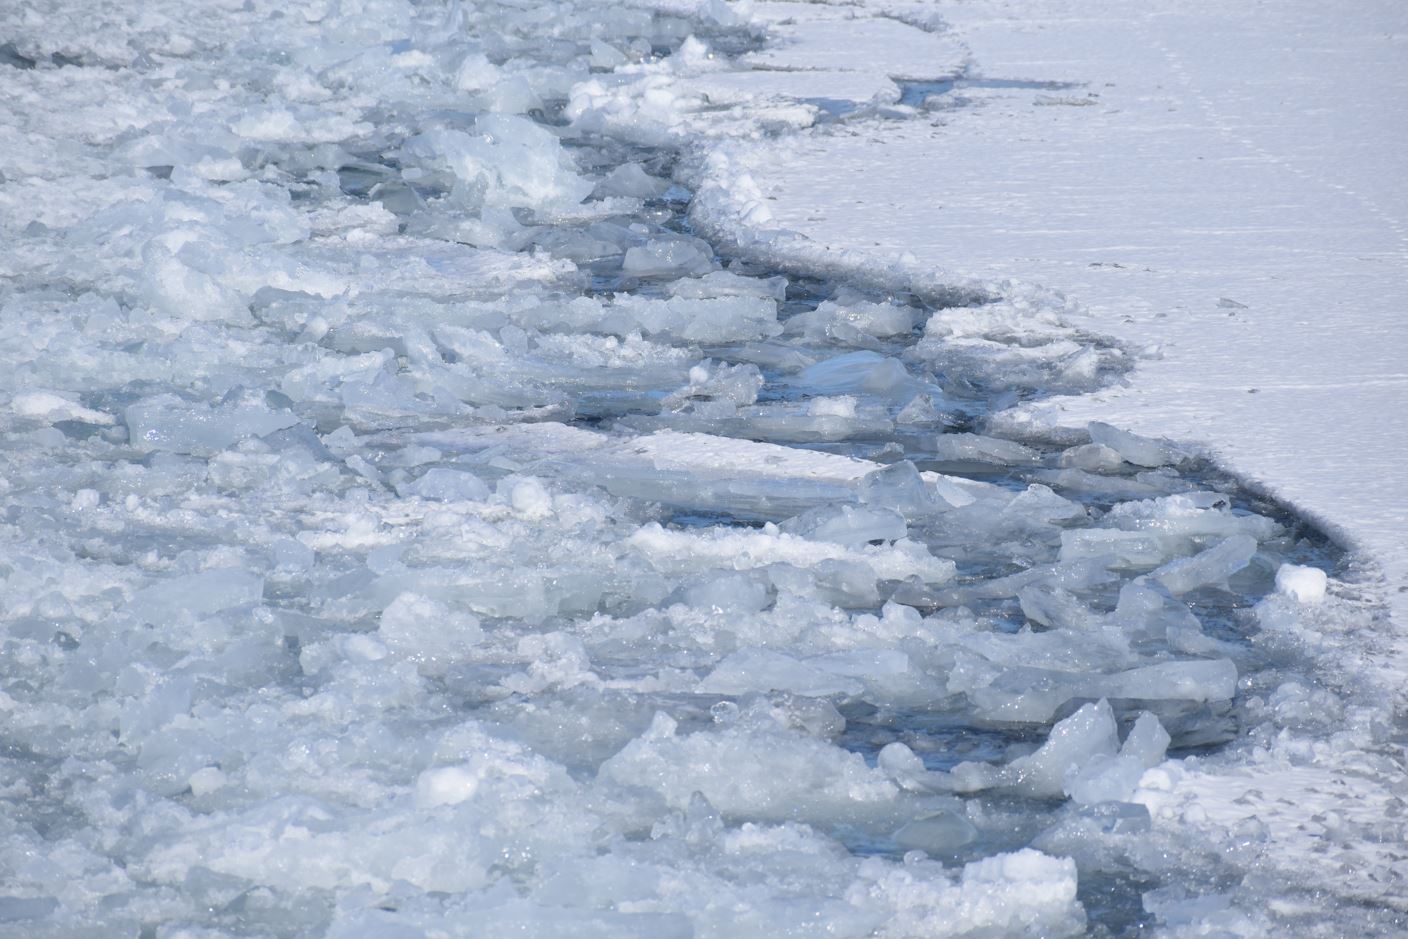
{"x": 412, "y": 529}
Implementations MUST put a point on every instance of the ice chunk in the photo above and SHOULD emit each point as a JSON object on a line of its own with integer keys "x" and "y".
{"x": 858, "y": 373}
{"x": 511, "y": 95}
{"x": 1040, "y": 504}
{"x": 430, "y": 633}
{"x": 165, "y": 422}
{"x": 632, "y": 181}
{"x": 1026, "y": 693}
{"x": 1055, "y": 608}
{"x": 51, "y": 408}
{"x": 476, "y": 73}
{"x": 852, "y": 525}
{"x": 446, "y": 785}
{"x": 606, "y": 56}
{"x": 1191, "y": 680}
{"x": 753, "y": 773}
{"x": 512, "y": 161}
{"x": 1147, "y": 741}
{"x": 764, "y": 670}
{"x": 1091, "y": 457}
{"x": 679, "y": 551}
{"x": 668, "y": 258}
{"x": 854, "y": 320}
{"x": 728, "y": 284}
{"x": 1104, "y": 778}
{"x": 191, "y": 283}
{"x": 1141, "y": 451}
{"x": 900, "y": 487}
{"x": 446, "y": 484}
{"x": 1072, "y": 743}
{"x": 196, "y": 595}
{"x": 736, "y": 384}
{"x": 815, "y": 717}
{"x": 973, "y": 448}
{"x": 902, "y": 765}
{"x": 849, "y": 583}
{"x": 1122, "y": 548}
{"x": 1300, "y": 583}
{"x": 1190, "y": 518}
{"x": 1212, "y": 566}
{"x": 939, "y": 833}
{"x": 724, "y": 319}
{"x": 206, "y": 780}
{"x": 921, "y": 409}
{"x": 869, "y": 664}
{"x": 732, "y": 592}
{"x": 1072, "y": 576}
{"x": 528, "y": 497}
{"x": 1024, "y": 893}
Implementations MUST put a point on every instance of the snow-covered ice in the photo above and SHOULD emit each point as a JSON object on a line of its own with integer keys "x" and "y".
{"x": 1218, "y": 190}
{"x": 435, "y": 503}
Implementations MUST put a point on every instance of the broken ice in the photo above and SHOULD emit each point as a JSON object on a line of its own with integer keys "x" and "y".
{"x": 413, "y": 523}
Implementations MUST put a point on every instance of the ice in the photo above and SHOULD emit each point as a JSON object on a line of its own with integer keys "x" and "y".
{"x": 852, "y": 525}
{"x": 1053, "y": 607}
{"x": 672, "y": 258}
{"x": 859, "y": 373}
{"x": 722, "y": 319}
{"x": 1032, "y": 693}
{"x": 165, "y": 422}
{"x": 1105, "y": 778}
{"x": 508, "y": 162}
{"x": 1140, "y": 451}
{"x": 420, "y": 513}
{"x": 631, "y": 180}
{"x": 1073, "y": 745}
{"x": 902, "y": 487}
{"x": 432, "y": 634}
{"x": 763, "y": 670}
{"x": 848, "y": 318}
{"x": 960, "y": 448}
{"x": 902, "y": 765}
{"x": 678, "y": 551}
{"x": 728, "y": 284}
{"x": 448, "y": 785}
{"x": 20, "y": 909}
{"x": 1022, "y": 891}
{"x": 1093, "y": 458}
{"x": 736, "y": 385}
{"x": 1301, "y": 583}
{"x": 739, "y": 773}
{"x": 1147, "y": 741}
{"x": 192, "y": 595}
{"x": 50, "y": 408}
{"x": 446, "y": 484}
{"x": 730, "y": 592}
{"x": 941, "y": 833}
{"x": 1212, "y": 566}
{"x": 1098, "y": 777}
{"x": 1133, "y": 549}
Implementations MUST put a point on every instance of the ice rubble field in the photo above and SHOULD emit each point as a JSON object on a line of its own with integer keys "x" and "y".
{"x": 412, "y": 528}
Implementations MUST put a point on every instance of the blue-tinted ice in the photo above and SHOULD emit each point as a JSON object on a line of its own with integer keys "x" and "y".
{"x": 412, "y": 524}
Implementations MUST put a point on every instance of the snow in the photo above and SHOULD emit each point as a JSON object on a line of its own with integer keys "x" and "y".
{"x": 1255, "y": 252}
{"x": 835, "y": 39}
{"x": 1305, "y": 584}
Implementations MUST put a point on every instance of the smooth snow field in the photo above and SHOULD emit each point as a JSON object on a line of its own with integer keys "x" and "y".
{"x": 440, "y": 499}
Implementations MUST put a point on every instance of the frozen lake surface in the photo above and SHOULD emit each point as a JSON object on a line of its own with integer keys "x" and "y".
{"x": 431, "y": 509}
